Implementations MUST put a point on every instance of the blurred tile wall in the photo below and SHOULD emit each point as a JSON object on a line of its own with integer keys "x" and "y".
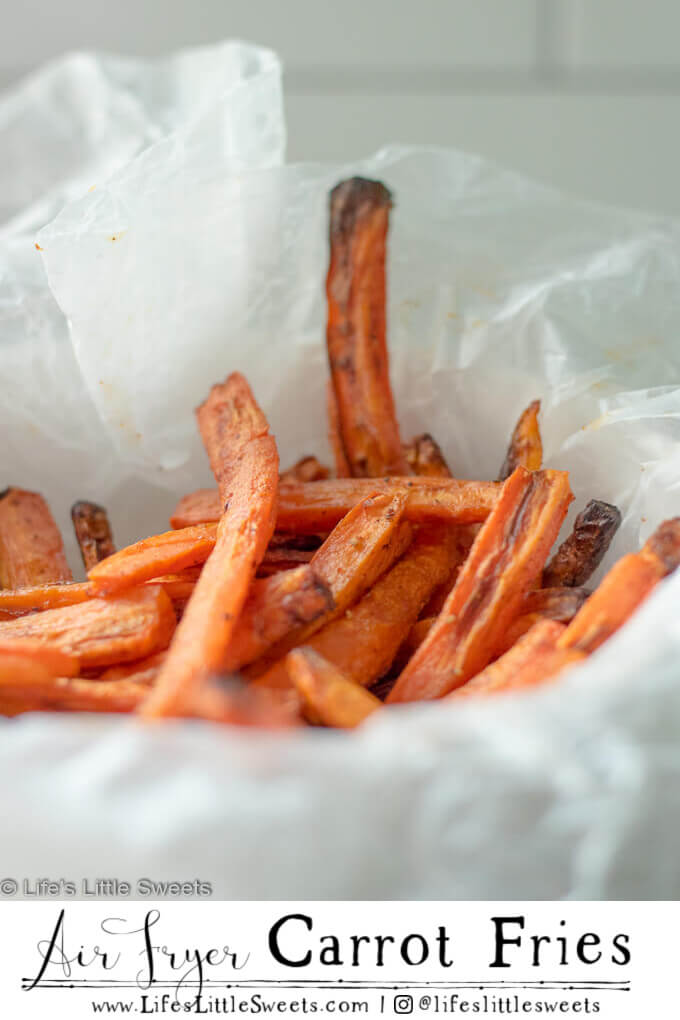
{"x": 582, "y": 93}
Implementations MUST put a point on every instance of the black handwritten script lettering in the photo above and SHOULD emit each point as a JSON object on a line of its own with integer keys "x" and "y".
{"x": 129, "y": 946}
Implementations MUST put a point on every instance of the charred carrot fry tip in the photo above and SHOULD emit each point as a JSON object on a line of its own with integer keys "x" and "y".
{"x": 93, "y": 532}
{"x": 581, "y": 553}
{"x": 505, "y": 559}
{"x": 526, "y": 448}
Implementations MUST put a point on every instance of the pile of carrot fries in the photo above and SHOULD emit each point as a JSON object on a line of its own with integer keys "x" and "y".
{"x": 318, "y": 595}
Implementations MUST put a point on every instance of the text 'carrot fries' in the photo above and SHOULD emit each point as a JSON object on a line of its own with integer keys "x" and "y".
{"x": 93, "y": 532}
{"x": 526, "y": 448}
{"x": 31, "y": 549}
{"x": 245, "y": 463}
{"x": 311, "y": 507}
{"x": 329, "y": 696}
{"x": 504, "y": 562}
{"x": 357, "y": 348}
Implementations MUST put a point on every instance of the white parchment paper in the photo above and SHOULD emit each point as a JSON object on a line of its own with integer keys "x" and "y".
{"x": 185, "y": 265}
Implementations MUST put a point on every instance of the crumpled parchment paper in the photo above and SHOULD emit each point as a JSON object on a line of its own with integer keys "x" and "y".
{"x": 184, "y": 266}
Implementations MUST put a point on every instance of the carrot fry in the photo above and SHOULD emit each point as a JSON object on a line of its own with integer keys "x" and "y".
{"x": 308, "y": 469}
{"x": 334, "y": 438}
{"x": 23, "y": 688}
{"x": 357, "y": 350}
{"x": 245, "y": 463}
{"x": 226, "y": 699}
{"x": 178, "y": 587}
{"x": 332, "y": 698}
{"x": 152, "y": 557}
{"x": 425, "y": 457}
{"x": 561, "y": 604}
{"x": 54, "y": 660}
{"x": 93, "y": 532}
{"x": 102, "y": 632}
{"x": 535, "y": 659}
{"x": 624, "y": 588}
{"x": 363, "y": 642}
{"x": 362, "y": 546}
{"x": 310, "y": 507}
{"x": 142, "y": 671}
{"x": 581, "y": 553}
{"x": 31, "y": 549}
{"x": 19, "y": 601}
{"x": 525, "y": 449}
{"x": 507, "y": 556}
{"x": 283, "y": 558}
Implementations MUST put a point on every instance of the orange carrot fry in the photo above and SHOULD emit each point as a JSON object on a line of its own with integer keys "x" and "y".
{"x": 54, "y": 660}
{"x": 362, "y": 546}
{"x": 19, "y": 601}
{"x": 142, "y": 671}
{"x": 581, "y": 553}
{"x": 308, "y": 469}
{"x": 334, "y": 438}
{"x": 25, "y": 688}
{"x": 357, "y": 350}
{"x": 561, "y": 604}
{"x": 102, "y": 632}
{"x": 178, "y": 587}
{"x": 31, "y": 549}
{"x": 425, "y": 457}
{"x": 535, "y": 659}
{"x": 508, "y": 554}
{"x": 226, "y": 699}
{"x": 308, "y": 508}
{"x": 276, "y": 606}
{"x": 245, "y": 463}
{"x": 363, "y": 642}
{"x": 525, "y": 449}
{"x": 151, "y": 557}
{"x": 332, "y": 698}
{"x": 624, "y": 588}
{"x": 93, "y": 532}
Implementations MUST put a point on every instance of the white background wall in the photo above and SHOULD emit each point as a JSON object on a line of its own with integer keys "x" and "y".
{"x": 582, "y": 93}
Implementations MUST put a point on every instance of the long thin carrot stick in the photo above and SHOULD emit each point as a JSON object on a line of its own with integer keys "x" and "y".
{"x": 357, "y": 349}
{"x": 526, "y": 447}
{"x": 54, "y": 660}
{"x": 19, "y": 601}
{"x": 332, "y": 699}
{"x": 152, "y": 557}
{"x": 31, "y": 549}
{"x": 245, "y": 463}
{"x": 508, "y": 554}
{"x": 342, "y": 469}
{"x": 293, "y": 606}
{"x": 624, "y": 588}
{"x": 535, "y": 659}
{"x": 363, "y": 641}
{"x": 25, "y": 687}
{"x": 102, "y": 632}
{"x": 312, "y": 507}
